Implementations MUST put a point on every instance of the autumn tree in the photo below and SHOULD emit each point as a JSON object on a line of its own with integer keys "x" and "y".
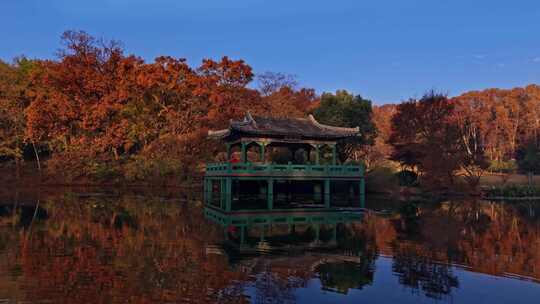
{"x": 377, "y": 154}
{"x": 224, "y": 84}
{"x": 103, "y": 111}
{"x": 99, "y": 110}
{"x": 424, "y": 137}
{"x": 271, "y": 82}
{"x": 14, "y": 84}
{"x": 473, "y": 161}
{"x": 76, "y": 98}
{"x": 346, "y": 110}
{"x": 506, "y": 119}
{"x": 282, "y": 97}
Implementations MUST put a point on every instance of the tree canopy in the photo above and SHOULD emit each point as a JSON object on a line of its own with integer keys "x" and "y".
{"x": 95, "y": 111}
{"x": 346, "y": 110}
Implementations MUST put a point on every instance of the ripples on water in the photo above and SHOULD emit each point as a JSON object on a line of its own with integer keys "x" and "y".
{"x": 136, "y": 249}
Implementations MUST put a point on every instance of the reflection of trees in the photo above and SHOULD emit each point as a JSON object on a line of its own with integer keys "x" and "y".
{"x": 344, "y": 275}
{"x": 493, "y": 238}
{"x": 422, "y": 273}
{"x": 349, "y": 266}
{"x": 110, "y": 250}
{"x": 98, "y": 250}
{"x": 271, "y": 288}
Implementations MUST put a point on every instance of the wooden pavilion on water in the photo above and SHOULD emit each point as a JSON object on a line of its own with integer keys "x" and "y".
{"x": 283, "y": 164}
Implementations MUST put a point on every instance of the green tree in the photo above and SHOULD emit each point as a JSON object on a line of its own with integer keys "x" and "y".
{"x": 529, "y": 160}
{"x": 347, "y": 110}
{"x": 14, "y": 82}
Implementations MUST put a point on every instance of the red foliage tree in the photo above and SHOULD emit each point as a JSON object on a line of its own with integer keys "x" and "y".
{"x": 424, "y": 137}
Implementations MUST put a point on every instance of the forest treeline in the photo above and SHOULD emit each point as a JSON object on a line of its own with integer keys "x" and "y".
{"x": 96, "y": 113}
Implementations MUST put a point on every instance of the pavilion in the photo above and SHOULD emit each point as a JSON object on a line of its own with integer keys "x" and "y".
{"x": 283, "y": 164}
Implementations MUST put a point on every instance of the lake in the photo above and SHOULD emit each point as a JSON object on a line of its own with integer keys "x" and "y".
{"x": 101, "y": 247}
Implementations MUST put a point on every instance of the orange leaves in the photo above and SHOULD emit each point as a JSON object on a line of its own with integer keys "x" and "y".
{"x": 505, "y": 118}
{"x": 288, "y": 102}
{"x": 227, "y": 72}
{"x": 424, "y": 137}
{"x": 97, "y": 98}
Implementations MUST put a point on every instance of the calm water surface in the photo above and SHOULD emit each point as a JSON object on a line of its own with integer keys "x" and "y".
{"x": 73, "y": 248}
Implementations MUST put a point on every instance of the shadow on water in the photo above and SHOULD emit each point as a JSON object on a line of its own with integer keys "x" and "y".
{"x": 23, "y": 216}
{"x": 112, "y": 249}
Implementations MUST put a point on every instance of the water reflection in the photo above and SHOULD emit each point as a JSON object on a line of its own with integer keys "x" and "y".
{"x": 101, "y": 249}
{"x": 283, "y": 251}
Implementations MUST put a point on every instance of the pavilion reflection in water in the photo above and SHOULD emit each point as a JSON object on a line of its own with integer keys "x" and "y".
{"x": 288, "y": 228}
{"x": 317, "y": 243}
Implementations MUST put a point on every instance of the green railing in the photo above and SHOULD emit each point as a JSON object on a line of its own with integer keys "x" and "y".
{"x": 253, "y": 219}
{"x": 253, "y": 168}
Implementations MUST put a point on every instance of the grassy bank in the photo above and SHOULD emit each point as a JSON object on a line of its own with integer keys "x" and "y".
{"x": 514, "y": 179}
{"x": 30, "y": 177}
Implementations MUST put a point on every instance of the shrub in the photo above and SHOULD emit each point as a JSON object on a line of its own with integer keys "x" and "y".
{"x": 81, "y": 162}
{"x": 509, "y": 166}
{"x": 141, "y": 168}
{"x": 105, "y": 172}
{"x": 382, "y": 180}
{"x": 514, "y": 191}
{"x": 407, "y": 178}
{"x": 529, "y": 158}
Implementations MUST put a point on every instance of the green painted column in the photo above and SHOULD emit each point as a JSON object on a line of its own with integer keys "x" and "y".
{"x": 244, "y": 153}
{"x": 228, "y": 193}
{"x": 228, "y": 145}
{"x": 362, "y": 192}
{"x": 270, "y": 194}
{"x": 242, "y": 235}
{"x": 210, "y": 191}
{"x": 362, "y": 186}
{"x": 317, "y": 155}
{"x": 263, "y": 147}
{"x": 222, "y": 195}
{"x": 263, "y": 227}
{"x": 317, "y": 193}
{"x": 327, "y": 193}
{"x": 205, "y": 191}
{"x": 334, "y": 156}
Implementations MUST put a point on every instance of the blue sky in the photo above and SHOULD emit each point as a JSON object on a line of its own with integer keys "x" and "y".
{"x": 384, "y": 50}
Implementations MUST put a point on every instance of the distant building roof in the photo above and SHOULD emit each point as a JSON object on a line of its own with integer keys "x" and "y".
{"x": 298, "y": 128}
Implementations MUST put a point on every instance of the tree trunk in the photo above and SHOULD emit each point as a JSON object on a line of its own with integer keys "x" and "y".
{"x": 17, "y": 168}
{"x": 37, "y": 159}
{"x": 115, "y": 153}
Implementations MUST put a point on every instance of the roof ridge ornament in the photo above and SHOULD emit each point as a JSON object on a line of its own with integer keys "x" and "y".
{"x": 327, "y": 127}
{"x": 250, "y": 119}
